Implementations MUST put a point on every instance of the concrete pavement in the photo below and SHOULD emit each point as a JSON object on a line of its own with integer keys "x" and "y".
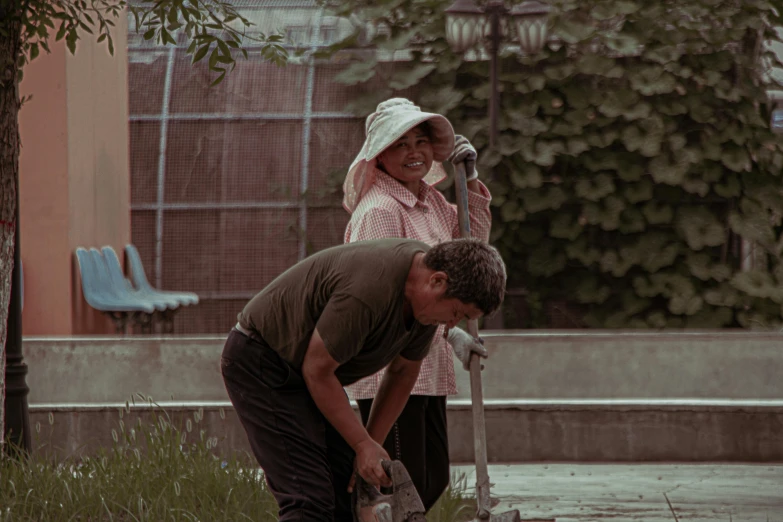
{"x": 635, "y": 492}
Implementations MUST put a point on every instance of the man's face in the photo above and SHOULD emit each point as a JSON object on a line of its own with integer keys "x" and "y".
{"x": 433, "y": 308}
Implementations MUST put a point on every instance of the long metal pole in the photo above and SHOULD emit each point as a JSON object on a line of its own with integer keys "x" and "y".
{"x": 494, "y": 11}
{"x": 17, "y": 418}
{"x": 476, "y": 388}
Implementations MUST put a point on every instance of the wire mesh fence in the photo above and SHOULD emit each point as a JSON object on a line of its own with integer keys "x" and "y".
{"x": 233, "y": 184}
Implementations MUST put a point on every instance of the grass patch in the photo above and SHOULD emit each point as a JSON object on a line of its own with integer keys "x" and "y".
{"x": 454, "y": 505}
{"x": 157, "y": 470}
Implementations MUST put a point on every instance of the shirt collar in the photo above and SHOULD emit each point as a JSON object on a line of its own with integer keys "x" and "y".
{"x": 397, "y": 190}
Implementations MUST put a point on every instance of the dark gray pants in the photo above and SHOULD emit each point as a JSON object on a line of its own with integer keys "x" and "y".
{"x": 420, "y": 440}
{"x": 306, "y": 462}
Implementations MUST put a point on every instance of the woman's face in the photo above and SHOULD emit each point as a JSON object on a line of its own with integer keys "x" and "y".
{"x": 409, "y": 158}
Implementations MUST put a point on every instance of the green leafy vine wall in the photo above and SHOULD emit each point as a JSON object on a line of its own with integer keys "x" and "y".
{"x": 635, "y": 164}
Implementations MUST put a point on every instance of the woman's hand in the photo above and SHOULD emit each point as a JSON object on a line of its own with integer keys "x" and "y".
{"x": 464, "y": 151}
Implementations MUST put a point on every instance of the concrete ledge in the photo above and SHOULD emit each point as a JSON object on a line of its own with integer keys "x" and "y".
{"x": 517, "y": 431}
{"x": 527, "y": 365}
{"x": 550, "y": 396}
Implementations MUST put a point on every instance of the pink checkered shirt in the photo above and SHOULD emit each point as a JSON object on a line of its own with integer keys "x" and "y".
{"x": 390, "y": 210}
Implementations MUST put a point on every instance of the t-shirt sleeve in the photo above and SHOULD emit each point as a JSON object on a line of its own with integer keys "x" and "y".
{"x": 344, "y": 325}
{"x": 419, "y": 347}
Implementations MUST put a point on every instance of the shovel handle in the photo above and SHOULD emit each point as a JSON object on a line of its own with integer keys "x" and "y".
{"x": 476, "y": 389}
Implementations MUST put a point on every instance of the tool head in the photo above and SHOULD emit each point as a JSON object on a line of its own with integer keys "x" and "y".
{"x": 508, "y": 516}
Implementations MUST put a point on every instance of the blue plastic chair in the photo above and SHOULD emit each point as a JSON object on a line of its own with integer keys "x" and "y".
{"x": 119, "y": 294}
{"x": 97, "y": 290}
{"x": 140, "y": 282}
{"x": 119, "y": 281}
{"x": 99, "y": 295}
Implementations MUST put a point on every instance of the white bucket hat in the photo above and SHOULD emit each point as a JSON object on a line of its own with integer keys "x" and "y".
{"x": 390, "y": 121}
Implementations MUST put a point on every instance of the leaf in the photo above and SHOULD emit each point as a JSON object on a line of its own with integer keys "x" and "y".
{"x": 652, "y": 80}
{"x": 545, "y": 260}
{"x": 615, "y": 264}
{"x": 658, "y": 213}
{"x": 410, "y": 77}
{"x": 638, "y": 192}
{"x": 527, "y": 177}
{"x": 581, "y": 251}
{"x": 685, "y": 305}
{"x": 564, "y": 226}
{"x": 529, "y": 126}
{"x": 590, "y": 291}
{"x": 576, "y": 98}
{"x": 626, "y": 7}
{"x": 201, "y": 53}
{"x": 631, "y": 221}
{"x": 624, "y": 44}
{"x": 618, "y": 102}
{"x": 577, "y": 146}
{"x": 70, "y": 41}
{"x": 356, "y": 73}
{"x": 559, "y": 72}
{"x": 595, "y": 64}
{"x": 753, "y": 222}
{"x": 638, "y": 111}
{"x": 696, "y": 186}
{"x": 551, "y": 198}
{"x": 657, "y": 252}
{"x": 755, "y": 283}
{"x": 219, "y": 78}
{"x": 571, "y": 31}
{"x": 166, "y": 36}
{"x": 545, "y": 152}
{"x": 699, "y": 227}
{"x": 594, "y": 188}
{"x": 443, "y": 99}
{"x": 736, "y": 159}
{"x": 632, "y": 138}
{"x": 730, "y": 187}
{"x": 663, "y": 54}
{"x": 511, "y": 211}
{"x": 33, "y": 51}
{"x": 677, "y": 141}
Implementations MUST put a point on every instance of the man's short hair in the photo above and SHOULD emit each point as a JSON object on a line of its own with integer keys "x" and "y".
{"x": 476, "y": 272}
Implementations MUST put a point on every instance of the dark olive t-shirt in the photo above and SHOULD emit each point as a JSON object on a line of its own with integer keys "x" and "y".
{"x": 354, "y": 295}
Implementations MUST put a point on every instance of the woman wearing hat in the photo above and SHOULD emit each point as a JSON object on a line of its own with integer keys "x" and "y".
{"x": 389, "y": 192}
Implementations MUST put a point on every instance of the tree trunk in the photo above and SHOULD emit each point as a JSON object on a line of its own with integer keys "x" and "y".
{"x": 10, "y": 45}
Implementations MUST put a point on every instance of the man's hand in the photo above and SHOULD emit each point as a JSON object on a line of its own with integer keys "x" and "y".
{"x": 464, "y": 151}
{"x": 465, "y": 344}
{"x": 369, "y": 455}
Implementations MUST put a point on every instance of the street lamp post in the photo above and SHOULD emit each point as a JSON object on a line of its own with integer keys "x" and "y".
{"x": 467, "y": 24}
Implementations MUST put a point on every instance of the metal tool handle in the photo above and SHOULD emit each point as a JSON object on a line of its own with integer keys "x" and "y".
{"x": 476, "y": 389}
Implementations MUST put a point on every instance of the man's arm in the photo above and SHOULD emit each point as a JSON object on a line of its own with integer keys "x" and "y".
{"x": 327, "y": 392}
{"x": 392, "y": 395}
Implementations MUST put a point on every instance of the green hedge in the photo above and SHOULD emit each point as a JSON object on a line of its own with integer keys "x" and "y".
{"x": 635, "y": 154}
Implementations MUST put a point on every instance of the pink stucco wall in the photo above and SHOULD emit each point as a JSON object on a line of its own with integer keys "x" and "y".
{"x": 74, "y": 178}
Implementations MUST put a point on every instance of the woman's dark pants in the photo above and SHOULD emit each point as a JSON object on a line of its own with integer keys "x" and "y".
{"x": 307, "y": 464}
{"x": 420, "y": 440}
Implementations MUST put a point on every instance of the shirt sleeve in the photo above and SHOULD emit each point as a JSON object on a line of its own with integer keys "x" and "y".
{"x": 419, "y": 347}
{"x": 375, "y": 223}
{"x": 480, "y": 214}
{"x": 344, "y": 325}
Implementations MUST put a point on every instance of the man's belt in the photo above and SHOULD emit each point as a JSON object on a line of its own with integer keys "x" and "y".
{"x": 250, "y": 334}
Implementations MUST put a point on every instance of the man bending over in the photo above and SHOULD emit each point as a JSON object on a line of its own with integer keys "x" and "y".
{"x": 335, "y": 317}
